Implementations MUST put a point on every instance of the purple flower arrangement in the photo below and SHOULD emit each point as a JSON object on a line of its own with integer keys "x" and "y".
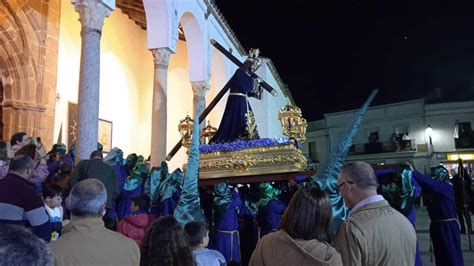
{"x": 243, "y": 144}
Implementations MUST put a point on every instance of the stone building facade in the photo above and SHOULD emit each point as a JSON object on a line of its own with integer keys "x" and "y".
{"x": 141, "y": 66}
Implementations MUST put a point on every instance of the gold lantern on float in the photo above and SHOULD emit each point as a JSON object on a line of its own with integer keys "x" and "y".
{"x": 292, "y": 122}
{"x": 185, "y": 128}
{"x": 207, "y": 133}
{"x": 302, "y": 131}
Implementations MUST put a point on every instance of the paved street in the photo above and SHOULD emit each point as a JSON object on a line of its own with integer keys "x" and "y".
{"x": 422, "y": 229}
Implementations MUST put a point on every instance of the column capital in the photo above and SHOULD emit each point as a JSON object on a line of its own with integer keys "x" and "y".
{"x": 200, "y": 87}
{"x": 161, "y": 57}
{"x": 92, "y": 14}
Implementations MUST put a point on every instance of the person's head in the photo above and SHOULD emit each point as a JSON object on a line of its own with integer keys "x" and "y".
{"x": 52, "y": 195}
{"x": 57, "y": 151}
{"x": 29, "y": 150}
{"x": 62, "y": 178}
{"x": 357, "y": 181}
{"x": 20, "y": 139}
{"x": 198, "y": 234}
{"x": 19, "y": 246}
{"x": 252, "y": 62}
{"x": 308, "y": 215}
{"x": 131, "y": 160}
{"x": 65, "y": 169}
{"x": 440, "y": 173}
{"x": 87, "y": 199}
{"x": 140, "y": 203}
{"x": 165, "y": 243}
{"x": 22, "y": 165}
{"x": 97, "y": 155}
{"x": 6, "y": 152}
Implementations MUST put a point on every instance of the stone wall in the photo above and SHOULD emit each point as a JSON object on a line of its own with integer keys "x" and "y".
{"x": 29, "y": 32}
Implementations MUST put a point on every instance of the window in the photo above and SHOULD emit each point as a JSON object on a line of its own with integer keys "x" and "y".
{"x": 312, "y": 151}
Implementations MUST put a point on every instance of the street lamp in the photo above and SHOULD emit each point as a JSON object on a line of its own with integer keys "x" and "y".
{"x": 429, "y": 132}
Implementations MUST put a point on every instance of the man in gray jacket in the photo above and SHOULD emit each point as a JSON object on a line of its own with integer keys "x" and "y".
{"x": 374, "y": 233}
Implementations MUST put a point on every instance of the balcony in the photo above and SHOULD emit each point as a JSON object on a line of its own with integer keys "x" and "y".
{"x": 383, "y": 147}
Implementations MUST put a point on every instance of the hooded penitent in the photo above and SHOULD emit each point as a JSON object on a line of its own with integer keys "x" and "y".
{"x": 222, "y": 200}
{"x": 440, "y": 173}
{"x": 326, "y": 177}
{"x": 169, "y": 186}
{"x": 115, "y": 157}
{"x": 267, "y": 193}
{"x": 139, "y": 174}
{"x": 57, "y": 148}
{"x": 157, "y": 176}
{"x": 189, "y": 207}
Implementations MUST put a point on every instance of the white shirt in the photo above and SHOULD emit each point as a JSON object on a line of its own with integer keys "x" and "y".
{"x": 368, "y": 200}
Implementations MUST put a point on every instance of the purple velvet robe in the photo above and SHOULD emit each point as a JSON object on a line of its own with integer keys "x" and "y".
{"x": 225, "y": 237}
{"x": 444, "y": 228}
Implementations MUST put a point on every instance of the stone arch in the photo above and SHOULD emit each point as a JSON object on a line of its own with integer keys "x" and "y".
{"x": 23, "y": 47}
{"x": 196, "y": 47}
{"x": 161, "y": 21}
{"x": 219, "y": 78}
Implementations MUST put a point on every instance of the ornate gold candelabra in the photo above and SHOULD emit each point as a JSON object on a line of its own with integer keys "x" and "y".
{"x": 185, "y": 128}
{"x": 293, "y": 123}
{"x": 207, "y": 133}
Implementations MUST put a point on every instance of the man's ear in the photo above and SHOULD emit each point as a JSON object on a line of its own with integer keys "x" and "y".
{"x": 102, "y": 211}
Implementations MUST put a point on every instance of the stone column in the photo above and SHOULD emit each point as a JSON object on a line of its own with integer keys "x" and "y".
{"x": 199, "y": 100}
{"x": 159, "y": 113}
{"x": 91, "y": 16}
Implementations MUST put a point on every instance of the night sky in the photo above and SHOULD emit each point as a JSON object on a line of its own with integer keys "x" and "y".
{"x": 332, "y": 55}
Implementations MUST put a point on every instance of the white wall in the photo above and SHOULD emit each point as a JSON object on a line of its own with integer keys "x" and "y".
{"x": 416, "y": 115}
{"x": 442, "y": 117}
{"x": 126, "y": 76}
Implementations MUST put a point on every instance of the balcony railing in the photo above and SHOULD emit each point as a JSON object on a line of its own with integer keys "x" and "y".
{"x": 382, "y": 147}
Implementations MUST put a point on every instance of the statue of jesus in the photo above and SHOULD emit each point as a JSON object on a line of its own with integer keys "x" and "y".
{"x": 238, "y": 121}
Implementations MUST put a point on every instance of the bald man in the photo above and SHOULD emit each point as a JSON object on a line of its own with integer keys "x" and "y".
{"x": 374, "y": 233}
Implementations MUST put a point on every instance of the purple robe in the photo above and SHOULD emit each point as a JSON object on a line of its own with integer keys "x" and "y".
{"x": 125, "y": 202}
{"x": 122, "y": 174}
{"x": 226, "y": 235}
{"x": 444, "y": 228}
{"x": 234, "y": 124}
{"x": 268, "y": 216}
{"x": 412, "y": 218}
{"x": 168, "y": 205}
{"x": 248, "y": 230}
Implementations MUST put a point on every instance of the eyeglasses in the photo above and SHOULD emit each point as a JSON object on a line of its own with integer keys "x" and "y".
{"x": 344, "y": 182}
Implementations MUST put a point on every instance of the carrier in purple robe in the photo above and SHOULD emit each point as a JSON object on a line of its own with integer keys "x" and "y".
{"x": 225, "y": 237}
{"x": 269, "y": 216}
{"x": 444, "y": 228}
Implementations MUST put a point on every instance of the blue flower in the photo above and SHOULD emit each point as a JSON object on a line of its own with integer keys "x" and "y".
{"x": 243, "y": 144}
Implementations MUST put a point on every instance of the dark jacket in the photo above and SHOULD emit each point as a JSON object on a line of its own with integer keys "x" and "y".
{"x": 96, "y": 168}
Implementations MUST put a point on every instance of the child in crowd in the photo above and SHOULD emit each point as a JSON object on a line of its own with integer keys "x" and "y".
{"x": 52, "y": 198}
{"x": 199, "y": 238}
{"x": 63, "y": 179}
{"x": 136, "y": 225}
